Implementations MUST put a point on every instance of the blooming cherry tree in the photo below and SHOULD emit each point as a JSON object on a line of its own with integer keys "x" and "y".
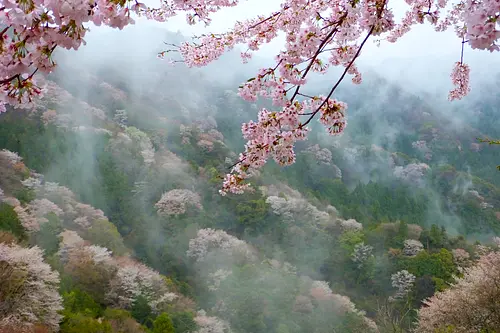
{"x": 361, "y": 254}
{"x": 175, "y": 202}
{"x": 470, "y": 304}
{"x": 28, "y": 288}
{"x": 208, "y": 240}
{"x": 412, "y": 247}
{"x": 209, "y": 324}
{"x": 403, "y": 281}
{"x": 319, "y": 35}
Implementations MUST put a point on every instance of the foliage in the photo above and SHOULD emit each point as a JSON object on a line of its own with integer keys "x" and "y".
{"x": 183, "y": 322}
{"x": 104, "y": 233}
{"x": 10, "y": 222}
{"x": 163, "y": 324}
{"x": 80, "y": 323}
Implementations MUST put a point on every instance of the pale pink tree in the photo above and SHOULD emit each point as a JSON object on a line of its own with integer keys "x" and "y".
{"x": 297, "y": 208}
{"x": 134, "y": 279}
{"x": 469, "y": 305}
{"x": 11, "y": 157}
{"x": 412, "y": 173}
{"x": 216, "y": 278}
{"x": 144, "y": 144}
{"x": 28, "y": 288}
{"x": 350, "y": 225}
{"x": 210, "y": 240}
{"x": 461, "y": 258}
{"x": 322, "y": 155}
{"x": 176, "y": 202}
{"x": 412, "y": 247}
{"x": 33, "y": 215}
{"x": 49, "y": 117}
{"x": 339, "y": 304}
{"x": 210, "y": 324}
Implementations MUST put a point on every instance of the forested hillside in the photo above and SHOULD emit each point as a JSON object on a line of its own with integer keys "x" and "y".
{"x": 111, "y": 220}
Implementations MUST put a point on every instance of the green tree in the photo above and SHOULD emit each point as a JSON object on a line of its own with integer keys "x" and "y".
{"x": 141, "y": 311}
{"x": 163, "y": 324}
{"x": 48, "y": 236}
{"x": 78, "y": 301}
{"x": 79, "y": 323}
{"x": 9, "y": 221}
{"x": 105, "y": 234}
{"x": 184, "y": 322}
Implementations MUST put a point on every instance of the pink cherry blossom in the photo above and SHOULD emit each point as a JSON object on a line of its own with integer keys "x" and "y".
{"x": 319, "y": 35}
{"x": 460, "y": 79}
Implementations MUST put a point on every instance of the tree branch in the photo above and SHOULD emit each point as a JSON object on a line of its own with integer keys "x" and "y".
{"x": 340, "y": 79}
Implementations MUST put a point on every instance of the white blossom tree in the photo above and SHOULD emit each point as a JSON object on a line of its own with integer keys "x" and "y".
{"x": 470, "y": 304}
{"x": 134, "y": 279}
{"x": 412, "y": 247}
{"x": 210, "y": 324}
{"x": 176, "y": 202}
{"x": 403, "y": 281}
{"x": 361, "y": 254}
{"x": 28, "y": 288}
{"x": 210, "y": 240}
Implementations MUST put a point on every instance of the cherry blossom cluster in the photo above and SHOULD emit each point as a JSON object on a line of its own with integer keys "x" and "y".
{"x": 208, "y": 240}
{"x": 115, "y": 93}
{"x": 460, "y": 79}
{"x": 143, "y": 142}
{"x": 320, "y": 291}
{"x": 350, "y": 225}
{"x": 314, "y": 29}
{"x": 12, "y": 157}
{"x": 297, "y": 209}
{"x": 470, "y": 304}
{"x": 206, "y": 133}
{"x": 78, "y": 214}
{"x": 130, "y": 278}
{"x": 403, "y": 281}
{"x": 412, "y": 173}
{"x": 461, "y": 258}
{"x": 35, "y": 300}
{"x": 134, "y": 279}
{"x": 120, "y": 117}
{"x": 323, "y": 155}
{"x": 176, "y": 202}
{"x": 33, "y": 215}
{"x": 31, "y": 30}
{"x": 210, "y": 324}
{"x": 361, "y": 254}
{"x": 216, "y": 278}
{"x": 412, "y": 247}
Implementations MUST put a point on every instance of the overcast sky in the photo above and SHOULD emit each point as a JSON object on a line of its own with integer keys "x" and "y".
{"x": 423, "y": 58}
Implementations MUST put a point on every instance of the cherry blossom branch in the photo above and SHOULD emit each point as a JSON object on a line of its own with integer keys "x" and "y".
{"x": 340, "y": 79}
{"x": 318, "y": 52}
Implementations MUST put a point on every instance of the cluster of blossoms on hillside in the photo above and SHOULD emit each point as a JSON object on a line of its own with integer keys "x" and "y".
{"x": 319, "y": 35}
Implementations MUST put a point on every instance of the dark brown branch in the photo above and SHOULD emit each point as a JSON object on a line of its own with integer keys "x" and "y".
{"x": 318, "y": 52}
{"x": 7, "y": 80}
{"x": 340, "y": 79}
{"x": 331, "y": 91}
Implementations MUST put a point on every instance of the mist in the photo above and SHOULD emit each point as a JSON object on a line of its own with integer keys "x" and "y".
{"x": 148, "y": 143}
